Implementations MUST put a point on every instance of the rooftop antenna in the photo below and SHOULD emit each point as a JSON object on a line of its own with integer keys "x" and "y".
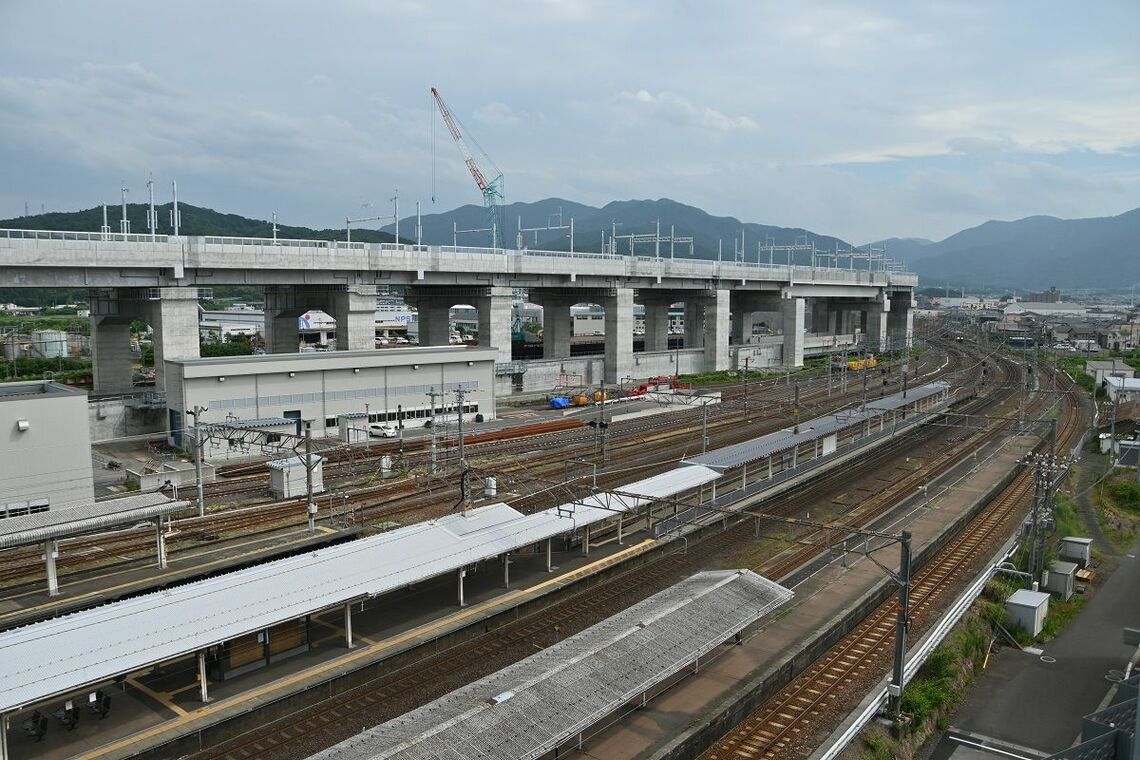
{"x": 175, "y": 214}
{"x": 124, "y": 223}
{"x": 151, "y": 214}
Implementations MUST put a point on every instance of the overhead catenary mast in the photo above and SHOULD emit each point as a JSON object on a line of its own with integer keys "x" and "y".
{"x": 124, "y": 223}
{"x": 492, "y": 190}
{"x": 151, "y": 214}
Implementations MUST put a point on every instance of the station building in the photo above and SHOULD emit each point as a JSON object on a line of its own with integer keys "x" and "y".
{"x": 392, "y": 386}
{"x": 45, "y": 448}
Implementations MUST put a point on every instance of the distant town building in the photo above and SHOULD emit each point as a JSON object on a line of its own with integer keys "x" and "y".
{"x": 1052, "y": 295}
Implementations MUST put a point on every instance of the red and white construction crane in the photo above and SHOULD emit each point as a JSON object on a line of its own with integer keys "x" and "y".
{"x": 492, "y": 190}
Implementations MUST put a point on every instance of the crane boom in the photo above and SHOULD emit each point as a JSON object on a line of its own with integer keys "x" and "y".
{"x": 491, "y": 190}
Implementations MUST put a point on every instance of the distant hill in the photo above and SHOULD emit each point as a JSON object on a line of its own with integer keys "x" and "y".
{"x": 908, "y": 250}
{"x": 1035, "y": 252}
{"x": 633, "y": 216}
{"x": 196, "y": 220}
{"x": 1038, "y": 252}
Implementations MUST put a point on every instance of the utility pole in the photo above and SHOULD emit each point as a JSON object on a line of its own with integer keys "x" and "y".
{"x": 197, "y": 411}
{"x": 902, "y": 623}
{"x": 431, "y": 418}
{"x": 796, "y": 409}
{"x": 312, "y": 505}
{"x": 367, "y": 426}
{"x": 274, "y": 228}
{"x": 602, "y": 418}
{"x": 705, "y": 425}
{"x": 747, "y": 361}
{"x": 460, "y": 393}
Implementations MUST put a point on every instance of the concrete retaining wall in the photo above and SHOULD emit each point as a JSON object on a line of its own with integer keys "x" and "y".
{"x": 113, "y": 418}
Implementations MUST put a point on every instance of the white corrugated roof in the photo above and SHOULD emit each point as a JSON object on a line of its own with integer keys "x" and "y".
{"x": 55, "y": 656}
{"x": 756, "y": 449}
{"x": 70, "y": 521}
{"x": 291, "y": 462}
{"x": 531, "y": 707}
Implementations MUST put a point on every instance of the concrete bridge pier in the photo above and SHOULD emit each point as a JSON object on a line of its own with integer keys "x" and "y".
{"x": 354, "y": 310}
{"x": 715, "y": 314}
{"x": 793, "y": 326}
{"x": 557, "y": 325}
{"x": 171, "y": 313}
{"x": 173, "y": 318}
{"x": 111, "y": 356}
{"x": 900, "y": 319}
{"x": 495, "y": 321}
{"x": 656, "y": 319}
{"x": 875, "y": 321}
{"x": 619, "y": 333}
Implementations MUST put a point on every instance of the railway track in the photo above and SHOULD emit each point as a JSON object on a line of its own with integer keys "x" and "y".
{"x": 396, "y": 692}
{"x": 816, "y": 700}
{"x": 649, "y": 445}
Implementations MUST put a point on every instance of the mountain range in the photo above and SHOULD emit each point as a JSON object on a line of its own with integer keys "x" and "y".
{"x": 1032, "y": 253}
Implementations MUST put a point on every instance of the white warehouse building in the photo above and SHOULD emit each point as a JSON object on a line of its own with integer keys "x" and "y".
{"x": 391, "y": 384}
{"x": 45, "y": 448}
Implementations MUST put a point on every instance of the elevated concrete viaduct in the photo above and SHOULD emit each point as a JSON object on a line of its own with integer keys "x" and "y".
{"x": 802, "y": 309}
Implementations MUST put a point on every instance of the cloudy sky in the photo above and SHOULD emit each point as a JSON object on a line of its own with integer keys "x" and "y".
{"x": 861, "y": 120}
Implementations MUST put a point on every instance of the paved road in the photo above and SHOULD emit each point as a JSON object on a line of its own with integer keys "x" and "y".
{"x": 1027, "y": 701}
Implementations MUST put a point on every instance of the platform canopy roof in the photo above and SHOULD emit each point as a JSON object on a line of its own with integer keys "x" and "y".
{"x": 84, "y": 518}
{"x": 780, "y": 441}
{"x": 533, "y": 706}
{"x": 52, "y": 657}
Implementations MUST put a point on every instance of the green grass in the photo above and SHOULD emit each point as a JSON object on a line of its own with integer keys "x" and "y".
{"x": 939, "y": 683}
{"x": 1065, "y": 513}
{"x": 1060, "y": 613}
{"x": 1118, "y": 508}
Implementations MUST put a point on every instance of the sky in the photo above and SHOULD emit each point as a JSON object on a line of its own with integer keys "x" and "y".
{"x": 861, "y": 120}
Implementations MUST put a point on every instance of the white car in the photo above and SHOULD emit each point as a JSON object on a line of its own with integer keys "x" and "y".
{"x": 380, "y": 430}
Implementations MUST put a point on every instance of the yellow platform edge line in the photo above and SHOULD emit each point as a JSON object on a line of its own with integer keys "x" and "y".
{"x": 349, "y": 657}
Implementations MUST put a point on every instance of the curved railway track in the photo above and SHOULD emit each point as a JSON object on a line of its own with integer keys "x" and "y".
{"x": 817, "y": 699}
{"x": 391, "y": 694}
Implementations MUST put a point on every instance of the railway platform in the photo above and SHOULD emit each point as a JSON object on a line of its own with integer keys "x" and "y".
{"x": 167, "y": 704}
{"x": 27, "y": 604}
{"x": 164, "y": 706}
{"x": 703, "y": 706}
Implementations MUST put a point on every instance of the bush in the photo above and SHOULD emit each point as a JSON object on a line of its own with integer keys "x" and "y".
{"x": 924, "y": 696}
{"x": 1126, "y": 494}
